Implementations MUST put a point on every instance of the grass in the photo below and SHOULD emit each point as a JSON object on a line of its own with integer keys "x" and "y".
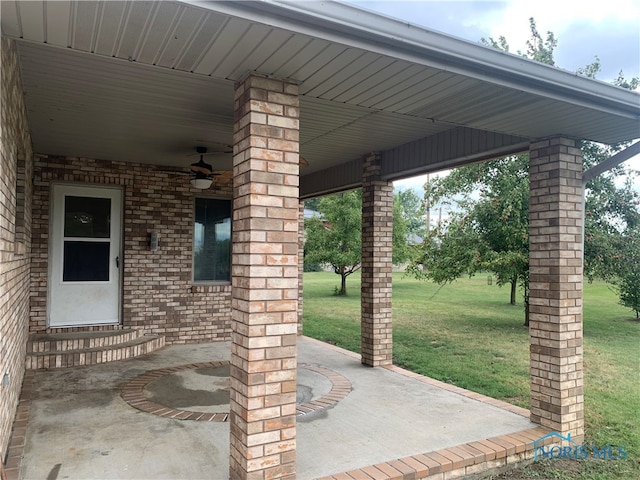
{"x": 467, "y": 334}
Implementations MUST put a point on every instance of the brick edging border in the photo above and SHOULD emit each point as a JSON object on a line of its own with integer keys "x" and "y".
{"x": 17, "y": 439}
{"x": 340, "y": 388}
{"x": 471, "y": 458}
{"x": 132, "y": 393}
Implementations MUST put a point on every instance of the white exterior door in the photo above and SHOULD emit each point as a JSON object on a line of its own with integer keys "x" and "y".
{"x": 84, "y": 256}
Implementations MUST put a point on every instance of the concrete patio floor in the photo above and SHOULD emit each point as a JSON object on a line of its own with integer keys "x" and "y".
{"x": 74, "y": 423}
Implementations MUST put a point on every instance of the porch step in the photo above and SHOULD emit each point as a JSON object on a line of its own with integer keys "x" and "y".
{"x": 63, "y": 350}
{"x": 58, "y": 342}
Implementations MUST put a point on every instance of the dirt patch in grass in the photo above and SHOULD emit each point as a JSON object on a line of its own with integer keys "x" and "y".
{"x": 591, "y": 469}
{"x": 559, "y": 469}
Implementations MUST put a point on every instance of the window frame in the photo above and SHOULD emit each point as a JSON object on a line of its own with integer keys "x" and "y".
{"x": 193, "y": 242}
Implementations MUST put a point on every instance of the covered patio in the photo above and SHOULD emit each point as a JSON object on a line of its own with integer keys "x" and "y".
{"x": 373, "y": 423}
{"x": 103, "y": 101}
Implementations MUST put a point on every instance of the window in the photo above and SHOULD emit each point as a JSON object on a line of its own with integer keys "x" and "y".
{"x": 212, "y": 240}
{"x": 87, "y": 232}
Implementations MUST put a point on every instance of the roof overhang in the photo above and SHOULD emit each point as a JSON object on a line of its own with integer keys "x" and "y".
{"x": 147, "y": 81}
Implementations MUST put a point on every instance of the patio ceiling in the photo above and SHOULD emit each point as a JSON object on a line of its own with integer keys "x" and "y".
{"x": 148, "y": 81}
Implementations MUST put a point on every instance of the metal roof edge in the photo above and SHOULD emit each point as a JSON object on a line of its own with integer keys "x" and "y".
{"x": 354, "y": 26}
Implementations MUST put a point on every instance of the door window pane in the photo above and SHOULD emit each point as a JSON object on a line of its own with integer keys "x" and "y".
{"x": 87, "y": 217}
{"x": 212, "y": 240}
{"x": 86, "y": 262}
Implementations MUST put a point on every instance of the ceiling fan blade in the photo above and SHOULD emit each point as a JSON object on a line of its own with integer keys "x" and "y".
{"x": 211, "y": 154}
{"x": 175, "y": 170}
{"x": 223, "y": 174}
{"x": 200, "y": 167}
{"x": 203, "y": 169}
{"x": 224, "y": 145}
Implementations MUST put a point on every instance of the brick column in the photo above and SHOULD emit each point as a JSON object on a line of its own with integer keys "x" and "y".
{"x": 264, "y": 280}
{"x": 300, "y": 264}
{"x": 377, "y": 242}
{"x": 555, "y": 301}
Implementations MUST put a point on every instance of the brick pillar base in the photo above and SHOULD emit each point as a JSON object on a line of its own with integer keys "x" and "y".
{"x": 377, "y": 265}
{"x": 264, "y": 280}
{"x": 555, "y": 301}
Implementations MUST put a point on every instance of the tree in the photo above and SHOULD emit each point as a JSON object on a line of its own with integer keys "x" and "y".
{"x": 400, "y": 252}
{"x": 485, "y": 234}
{"x": 627, "y": 282}
{"x": 491, "y": 233}
{"x": 413, "y": 212}
{"x": 538, "y": 49}
{"x": 611, "y": 214}
{"x": 312, "y": 203}
{"x": 335, "y": 237}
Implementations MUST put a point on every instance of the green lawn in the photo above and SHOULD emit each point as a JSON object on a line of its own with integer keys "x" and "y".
{"x": 467, "y": 334}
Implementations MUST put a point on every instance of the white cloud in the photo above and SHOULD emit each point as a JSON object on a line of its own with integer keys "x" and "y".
{"x": 584, "y": 29}
{"x": 559, "y": 16}
{"x": 414, "y": 183}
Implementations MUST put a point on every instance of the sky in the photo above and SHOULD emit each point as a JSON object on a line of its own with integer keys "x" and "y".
{"x": 584, "y": 29}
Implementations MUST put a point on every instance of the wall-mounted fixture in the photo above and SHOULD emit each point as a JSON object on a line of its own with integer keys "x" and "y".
{"x": 154, "y": 241}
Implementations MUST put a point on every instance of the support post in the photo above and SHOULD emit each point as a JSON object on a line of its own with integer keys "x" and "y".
{"x": 300, "y": 264}
{"x": 377, "y": 265}
{"x": 264, "y": 280}
{"x": 555, "y": 286}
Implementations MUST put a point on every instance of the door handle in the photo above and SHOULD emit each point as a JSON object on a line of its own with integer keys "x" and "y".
{"x": 118, "y": 262}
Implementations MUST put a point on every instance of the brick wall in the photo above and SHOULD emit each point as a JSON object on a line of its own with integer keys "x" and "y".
{"x": 15, "y": 232}
{"x": 158, "y": 296}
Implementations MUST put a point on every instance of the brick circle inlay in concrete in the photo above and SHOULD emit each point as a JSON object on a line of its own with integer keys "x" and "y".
{"x": 177, "y": 392}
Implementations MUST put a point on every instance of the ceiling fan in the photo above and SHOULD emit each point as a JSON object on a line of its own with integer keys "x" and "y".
{"x": 202, "y": 173}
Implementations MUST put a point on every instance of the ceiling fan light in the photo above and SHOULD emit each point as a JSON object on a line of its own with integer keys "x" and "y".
{"x": 201, "y": 183}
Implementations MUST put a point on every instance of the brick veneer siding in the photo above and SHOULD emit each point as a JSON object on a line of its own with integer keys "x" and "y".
{"x": 555, "y": 298}
{"x": 15, "y": 233}
{"x": 377, "y": 265}
{"x": 158, "y": 296}
{"x": 265, "y": 280}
